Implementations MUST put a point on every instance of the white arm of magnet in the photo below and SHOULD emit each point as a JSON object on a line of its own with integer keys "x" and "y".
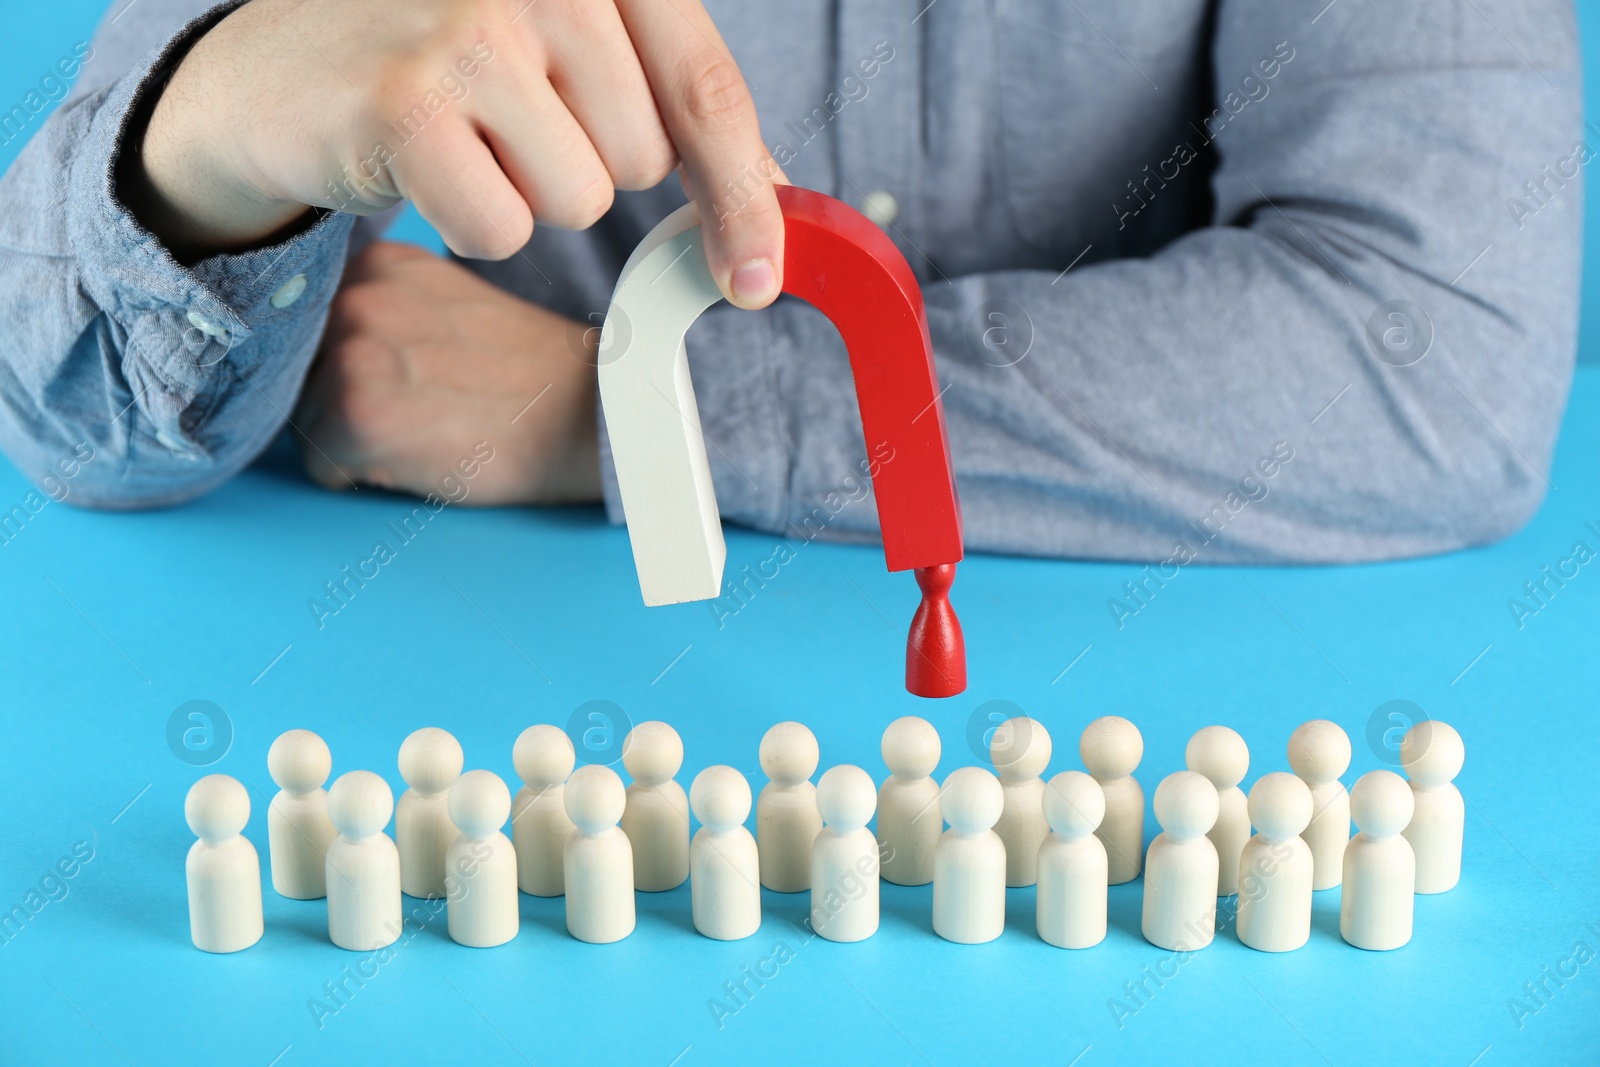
{"x": 651, "y": 417}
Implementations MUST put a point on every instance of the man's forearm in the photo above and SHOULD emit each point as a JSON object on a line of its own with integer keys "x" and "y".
{"x": 176, "y": 377}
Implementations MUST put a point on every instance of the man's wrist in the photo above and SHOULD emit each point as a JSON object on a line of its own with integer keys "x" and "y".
{"x": 177, "y": 179}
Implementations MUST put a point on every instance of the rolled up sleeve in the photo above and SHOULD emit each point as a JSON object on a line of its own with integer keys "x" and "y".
{"x": 171, "y": 377}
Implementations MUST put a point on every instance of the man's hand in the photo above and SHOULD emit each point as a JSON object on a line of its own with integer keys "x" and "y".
{"x": 423, "y": 359}
{"x": 487, "y": 114}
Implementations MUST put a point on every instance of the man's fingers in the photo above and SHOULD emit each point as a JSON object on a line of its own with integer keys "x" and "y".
{"x": 688, "y": 187}
{"x": 458, "y": 185}
{"x": 594, "y": 68}
{"x": 707, "y": 109}
{"x": 544, "y": 151}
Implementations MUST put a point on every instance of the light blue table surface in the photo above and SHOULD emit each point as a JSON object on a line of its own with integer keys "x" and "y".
{"x": 487, "y": 621}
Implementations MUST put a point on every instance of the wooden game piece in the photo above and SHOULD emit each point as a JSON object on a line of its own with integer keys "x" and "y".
{"x": 1319, "y": 752}
{"x": 298, "y": 829}
{"x": 1275, "y": 867}
{"x": 936, "y": 649}
{"x": 1111, "y": 748}
{"x": 1432, "y": 754}
{"x": 842, "y": 264}
{"x": 1380, "y": 870}
{"x": 544, "y": 758}
{"x": 725, "y": 871}
{"x": 908, "y": 802}
{"x": 363, "y": 864}
{"x": 1070, "y": 906}
{"x": 430, "y": 760}
{"x": 222, "y": 869}
{"x": 844, "y": 857}
{"x": 969, "y": 865}
{"x": 598, "y": 863}
{"x": 480, "y": 864}
{"x": 1180, "y": 874}
{"x": 787, "y": 820}
{"x": 656, "y": 818}
{"x": 1020, "y": 751}
{"x": 1221, "y": 755}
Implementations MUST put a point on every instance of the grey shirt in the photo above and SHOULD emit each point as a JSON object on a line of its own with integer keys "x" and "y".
{"x": 1240, "y": 280}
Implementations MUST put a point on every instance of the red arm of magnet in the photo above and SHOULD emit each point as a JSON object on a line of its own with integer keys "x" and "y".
{"x": 838, "y": 261}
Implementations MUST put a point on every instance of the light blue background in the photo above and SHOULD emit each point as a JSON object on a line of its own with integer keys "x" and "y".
{"x": 491, "y": 620}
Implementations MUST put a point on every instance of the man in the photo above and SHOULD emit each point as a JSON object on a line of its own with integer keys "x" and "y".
{"x": 1241, "y": 280}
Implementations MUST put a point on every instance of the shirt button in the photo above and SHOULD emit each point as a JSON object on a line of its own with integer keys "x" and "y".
{"x": 289, "y": 292}
{"x": 170, "y": 444}
{"x": 205, "y": 327}
{"x": 881, "y": 207}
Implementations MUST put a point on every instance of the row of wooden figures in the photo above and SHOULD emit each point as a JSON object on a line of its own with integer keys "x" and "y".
{"x": 1073, "y": 836}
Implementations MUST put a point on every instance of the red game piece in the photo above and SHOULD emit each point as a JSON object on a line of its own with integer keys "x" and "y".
{"x": 936, "y": 653}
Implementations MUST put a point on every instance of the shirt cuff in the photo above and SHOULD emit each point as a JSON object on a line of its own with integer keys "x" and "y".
{"x": 190, "y": 330}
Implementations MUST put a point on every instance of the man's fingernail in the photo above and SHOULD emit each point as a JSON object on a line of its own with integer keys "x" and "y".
{"x": 755, "y": 282}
